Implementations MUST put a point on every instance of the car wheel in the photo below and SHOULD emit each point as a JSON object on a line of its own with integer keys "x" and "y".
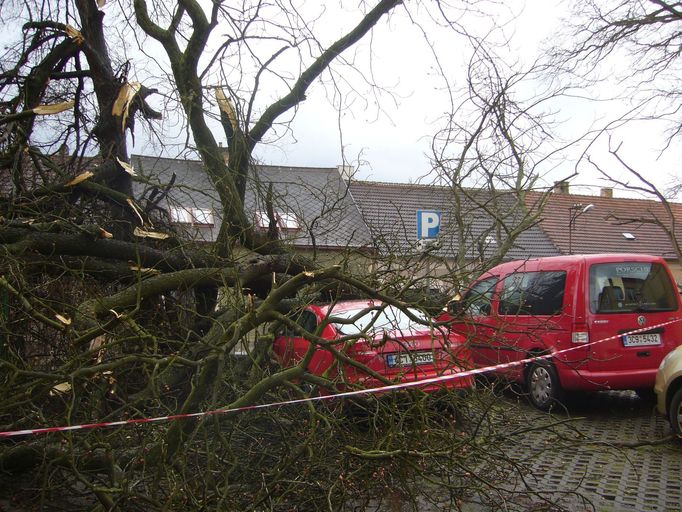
{"x": 542, "y": 384}
{"x": 675, "y": 413}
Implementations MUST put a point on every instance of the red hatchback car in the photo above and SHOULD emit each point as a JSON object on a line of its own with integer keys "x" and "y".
{"x": 383, "y": 339}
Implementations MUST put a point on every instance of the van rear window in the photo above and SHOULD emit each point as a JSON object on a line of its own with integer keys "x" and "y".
{"x": 631, "y": 287}
{"x": 533, "y": 293}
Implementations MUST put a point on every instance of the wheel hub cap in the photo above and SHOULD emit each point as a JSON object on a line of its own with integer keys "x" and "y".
{"x": 540, "y": 385}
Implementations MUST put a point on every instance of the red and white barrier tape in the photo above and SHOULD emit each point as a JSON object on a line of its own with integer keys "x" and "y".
{"x": 392, "y": 387}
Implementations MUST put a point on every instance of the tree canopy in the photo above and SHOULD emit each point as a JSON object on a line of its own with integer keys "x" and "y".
{"x": 110, "y": 313}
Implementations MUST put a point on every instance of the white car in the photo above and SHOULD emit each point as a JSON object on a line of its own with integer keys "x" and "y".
{"x": 668, "y": 389}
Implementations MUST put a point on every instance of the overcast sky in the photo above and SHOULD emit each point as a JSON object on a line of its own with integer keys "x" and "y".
{"x": 394, "y": 145}
{"x": 387, "y": 137}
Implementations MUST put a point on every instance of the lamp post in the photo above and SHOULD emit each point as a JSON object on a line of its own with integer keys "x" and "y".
{"x": 574, "y": 212}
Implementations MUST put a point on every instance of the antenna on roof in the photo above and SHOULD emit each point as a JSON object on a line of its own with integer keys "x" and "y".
{"x": 574, "y": 212}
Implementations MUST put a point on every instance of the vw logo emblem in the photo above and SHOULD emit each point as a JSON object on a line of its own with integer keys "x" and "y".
{"x": 641, "y": 320}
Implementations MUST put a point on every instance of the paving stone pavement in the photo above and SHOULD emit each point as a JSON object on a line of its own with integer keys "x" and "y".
{"x": 611, "y": 454}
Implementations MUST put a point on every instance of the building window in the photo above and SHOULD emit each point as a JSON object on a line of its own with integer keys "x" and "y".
{"x": 203, "y": 216}
{"x": 194, "y": 216}
{"x": 262, "y": 219}
{"x": 285, "y": 220}
{"x": 180, "y": 215}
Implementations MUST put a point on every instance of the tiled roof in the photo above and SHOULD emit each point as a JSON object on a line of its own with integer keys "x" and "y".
{"x": 319, "y": 199}
{"x": 601, "y": 229}
{"x": 191, "y": 189}
{"x": 316, "y": 196}
{"x": 390, "y": 211}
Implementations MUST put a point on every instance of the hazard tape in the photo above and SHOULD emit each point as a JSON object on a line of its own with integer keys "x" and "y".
{"x": 345, "y": 394}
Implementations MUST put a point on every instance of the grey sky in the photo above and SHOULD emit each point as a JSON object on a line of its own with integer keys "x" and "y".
{"x": 394, "y": 145}
{"x": 387, "y": 135}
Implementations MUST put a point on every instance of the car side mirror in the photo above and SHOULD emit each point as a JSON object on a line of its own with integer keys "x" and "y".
{"x": 456, "y": 307}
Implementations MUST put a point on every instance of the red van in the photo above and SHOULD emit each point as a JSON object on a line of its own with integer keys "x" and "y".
{"x": 586, "y": 303}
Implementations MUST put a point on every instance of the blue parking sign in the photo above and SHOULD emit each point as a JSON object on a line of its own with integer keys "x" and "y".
{"x": 428, "y": 224}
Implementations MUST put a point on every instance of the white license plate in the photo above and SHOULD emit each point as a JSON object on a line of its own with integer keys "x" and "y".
{"x": 409, "y": 359}
{"x": 641, "y": 340}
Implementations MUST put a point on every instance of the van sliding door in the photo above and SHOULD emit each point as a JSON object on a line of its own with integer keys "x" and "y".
{"x": 529, "y": 309}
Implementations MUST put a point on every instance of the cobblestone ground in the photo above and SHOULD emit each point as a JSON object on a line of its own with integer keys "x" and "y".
{"x": 610, "y": 455}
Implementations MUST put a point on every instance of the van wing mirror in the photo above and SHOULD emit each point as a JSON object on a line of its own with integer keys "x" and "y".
{"x": 456, "y": 307}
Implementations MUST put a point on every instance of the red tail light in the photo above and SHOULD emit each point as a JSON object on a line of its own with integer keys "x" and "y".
{"x": 580, "y": 334}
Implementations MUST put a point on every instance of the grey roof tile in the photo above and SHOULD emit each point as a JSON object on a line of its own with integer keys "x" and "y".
{"x": 316, "y": 196}
{"x": 390, "y": 211}
{"x": 191, "y": 189}
{"x": 375, "y": 215}
{"x": 319, "y": 199}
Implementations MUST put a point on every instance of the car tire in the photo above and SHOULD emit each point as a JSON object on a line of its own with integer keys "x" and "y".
{"x": 543, "y": 386}
{"x": 675, "y": 413}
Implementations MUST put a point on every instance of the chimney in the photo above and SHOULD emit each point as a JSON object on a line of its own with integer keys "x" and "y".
{"x": 346, "y": 171}
{"x": 606, "y": 192}
{"x": 561, "y": 187}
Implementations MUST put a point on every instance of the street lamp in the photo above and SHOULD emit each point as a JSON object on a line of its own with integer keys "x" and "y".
{"x": 574, "y": 212}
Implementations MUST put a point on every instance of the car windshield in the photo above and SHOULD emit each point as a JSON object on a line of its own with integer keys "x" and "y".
{"x": 389, "y": 318}
{"x": 630, "y": 287}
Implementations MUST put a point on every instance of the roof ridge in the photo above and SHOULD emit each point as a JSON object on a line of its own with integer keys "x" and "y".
{"x": 444, "y": 188}
{"x": 396, "y": 184}
{"x": 610, "y": 199}
{"x": 268, "y": 166}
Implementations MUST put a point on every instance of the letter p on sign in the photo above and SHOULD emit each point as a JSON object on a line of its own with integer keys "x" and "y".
{"x": 428, "y": 224}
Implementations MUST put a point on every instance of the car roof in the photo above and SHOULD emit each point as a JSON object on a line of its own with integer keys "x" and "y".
{"x": 571, "y": 260}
